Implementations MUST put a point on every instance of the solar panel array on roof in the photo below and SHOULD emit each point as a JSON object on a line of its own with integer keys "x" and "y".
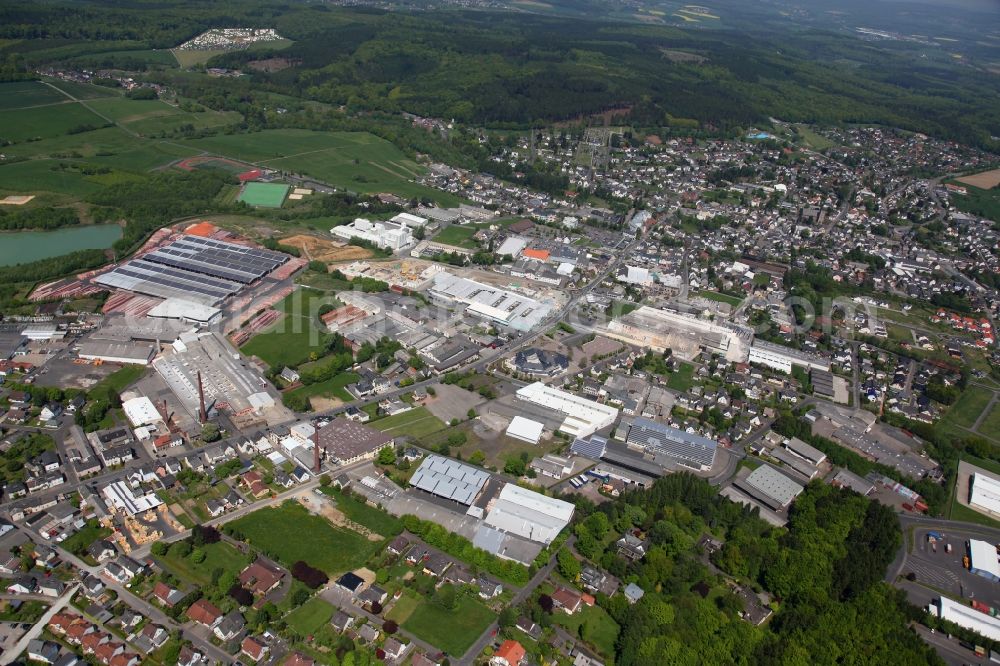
{"x": 194, "y": 268}
{"x": 592, "y": 448}
{"x": 450, "y": 479}
{"x": 682, "y": 446}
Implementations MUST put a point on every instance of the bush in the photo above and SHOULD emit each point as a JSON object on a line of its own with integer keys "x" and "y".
{"x": 313, "y": 578}
{"x": 390, "y": 627}
{"x": 242, "y": 595}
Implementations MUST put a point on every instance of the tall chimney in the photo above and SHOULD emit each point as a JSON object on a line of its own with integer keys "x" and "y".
{"x": 315, "y": 438}
{"x": 202, "y": 413}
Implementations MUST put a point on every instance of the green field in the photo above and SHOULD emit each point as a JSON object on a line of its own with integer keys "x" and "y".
{"x": 47, "y": 121}
{"x": 376, "y": 520}
{"x": 721, "y": 298}
{"x": 683, "y": 379}
{"x": 291, "y": 340}
{"x": 594, "y": 625}
{"x": 278, "y": 533}
{"x": 22, "y": 94}
{"x": 356, "y": 161}
{"x": 38, "y": 176}
{"x": 84, "y": 90}
{"x": 991, "y": 424}
{"x": 417, "y": 422}
{"x": 217, "y": 556}
{"x": 453, "y": 631}
{"x": 79, "y": 542}
{"x": 331, "y": 388}
{"x": 458, "y": 236}
{"x": 147, "y": 117}
{"x": 190, "y": 58}
{"x": 265, "y": 195}
{"x": 969, "y": 406}
{"x": 309, "y": 617}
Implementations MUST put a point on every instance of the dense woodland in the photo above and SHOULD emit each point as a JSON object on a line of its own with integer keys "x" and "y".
{"x": 824, "y": 573}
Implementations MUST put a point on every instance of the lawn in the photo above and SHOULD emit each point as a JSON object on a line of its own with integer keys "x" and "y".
{"x": 457, "y": 236}
{"x": 309, "y": 617}
{"x": 721, "y": 298}
{"x": 121, "y": 379}
{"x": 292, "y": 339}
{"x": 331, "y": 388}
{"x": 217, "y": 556}
{"x": 598, "y": 628}
{"x": 356, "y": 161}
{"x": 452, "y": 631}
{"x": 403, "y": 608}
{"x": 991, "y": 424}
{"x": 279, "y": 533}
{"x": 79, "y": 542}
{"x": 683, "y": 379}
{"x": 417, "y": 422}
{"x": 969, "y": 406}
{"x": 376, "y": 520}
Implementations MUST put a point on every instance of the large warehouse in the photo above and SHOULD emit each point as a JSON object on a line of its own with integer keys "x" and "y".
{"x": 685, "y": 335}
{"x": 770, "y": 486}
{"x": 676, "y": 445}
{"x": 969, "y": 618}
{"x": 985, "y": 493}
{"x": 491, "y": 303}
{"x": 983, "y": 560}
{"x": 583, "y": 417}
{"x": 528, "y": 514}
{"x": 450, "y": 479}
{"x": 193, "y": 268}
{"x": 783, "y": 358}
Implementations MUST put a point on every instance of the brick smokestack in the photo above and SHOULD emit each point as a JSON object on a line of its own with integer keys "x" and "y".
{"x": 315, "y": 438}
{"x": 202, "y": 412}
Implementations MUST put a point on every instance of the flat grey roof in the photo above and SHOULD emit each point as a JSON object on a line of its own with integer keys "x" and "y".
{"x": 773, "y": 485}
{"x": 450, "y": 479}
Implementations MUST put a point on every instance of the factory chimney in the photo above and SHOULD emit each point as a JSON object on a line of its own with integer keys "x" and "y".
{"x": 315, "y": 438}
{"x": 202, "y": 413}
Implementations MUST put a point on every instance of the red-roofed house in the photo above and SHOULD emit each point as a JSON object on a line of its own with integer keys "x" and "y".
{"x": 253, "y": 648}
{"x": 203, "y": 612}
{"x": 510, "y": 653}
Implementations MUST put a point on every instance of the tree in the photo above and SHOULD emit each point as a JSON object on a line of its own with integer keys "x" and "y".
{"x": 569, "y": 566}
{"x": 298, "y": 597}
{"x": 387, "y": 456}
{"x": 242, "y": 595}
{"x": 507, "y": 617}
{"x": 390, "y": 627}
{"x": 159, "y": 548}
{"x": 446, "y": 597}
{"x": 197, "y": 555}
{"x": 324, "y": 480}
{"x": 471, "y": 413}
{"x": 515, "y": 466}
{"x": 210, "y": 432}
{"x": 545, "y": 603}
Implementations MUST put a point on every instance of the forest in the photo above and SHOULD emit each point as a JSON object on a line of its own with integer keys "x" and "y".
{"x": 824, "y": 575}
{"x": 512, "y": 69}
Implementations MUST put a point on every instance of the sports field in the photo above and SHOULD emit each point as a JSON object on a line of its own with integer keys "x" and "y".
{"x": 264, "y": 195}
{"x": 355, "y": 161}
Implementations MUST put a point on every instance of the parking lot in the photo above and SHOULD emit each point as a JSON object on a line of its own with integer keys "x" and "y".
{"x": 425, "y": 507}
{"x": 936, "y": 568}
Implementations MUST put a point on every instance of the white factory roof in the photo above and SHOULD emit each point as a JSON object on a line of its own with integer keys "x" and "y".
{"x": 774, "y": 484}
{"x": 983, "y": 556}
{"x": 120, "y": 496}
{"x": 449, "y": 478}
{"x": 179, "y": 308}
{"x": 985, "y": 492}
{"x": 410, "y": 220}
{"x": 525, "y": 429}
{"x": 528, "y": 514}
{"x": 583, "y": 416}
{"x": 512, "y": 246}
{"x": 141, "y": 411}
{"x": 970, "y": 618}
{"x": 506, "y": 307}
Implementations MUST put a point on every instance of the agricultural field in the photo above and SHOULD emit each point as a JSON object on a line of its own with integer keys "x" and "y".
{"x": 297, "y": 335}
{"x": 968, "y": 407}
{"x": 49, "y": 121}
{"x": 356, "y": 161}
{"x": 991, "y": 423}
{"x": 148, "y": 117}
{"x": 277, "y": 532}
{"x": 453, "y": 631}
{"x": 417, "y": 423}
{"x": 28, "y": 94}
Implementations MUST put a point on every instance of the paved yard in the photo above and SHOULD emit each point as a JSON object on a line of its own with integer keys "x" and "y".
{"x": 453, "y": 402}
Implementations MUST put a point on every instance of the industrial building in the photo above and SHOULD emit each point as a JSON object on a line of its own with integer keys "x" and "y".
{"x": 525, "y": 430}
{"x": 141, "y": 411}
{"x": 685, "y": 335}
{"x": 386, "y": 235}
{"x": 770, "y": 486}
{"x": 500, "y": 306}
{"x": 528, "y": 514}
{"x": 583, "y": 417}
{"x": 983, "y": 560}
{"x": 120, "y": 496}
{"x": 847, "y": 479}
{"x": 536, "y": 362}
{"x": 807, "y": 452}
{"x": 985, "y": 493}
{"x": 783, "y": 358}
{"x": 967, "y": 617}
{"x": 122, "y": 351}
{"x": 185, "y": 310}
{"x": 450, "y": 479}
{"x": 673, "y": 444}
{"x": 194, "y": 268}
{"x": 347, "y": 442}
{"x": 795, "y": 463}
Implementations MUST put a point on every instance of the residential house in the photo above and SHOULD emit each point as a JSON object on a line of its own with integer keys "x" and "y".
{"x": 633, "y": 593}
{"x": 101, "y": 550}
{"x": 341, "y": 621}
{"x": 488, "y": 588}
{"x": 373, "y": 595}
{"x": 51, "y": 587}
{"x": 398, "y": 545}
{"x": 205, "y": 613}
{"x": 510, "y": 653}
{"x": 229, "y": 627}
{"x": 254, "y": 648}
{"x": 368, "y": 634}
{"x": 394, "y": 650}
{"x": 261, "y": 577}
{"x": 167, "y": 595}
{"x": 46, "y": 652}
{"x": 298, "y": 659}
{"x": 567, "y": 600}
{"x": 631, "y": 547}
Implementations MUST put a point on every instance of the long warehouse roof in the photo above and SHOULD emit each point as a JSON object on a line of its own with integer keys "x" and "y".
{"x": 985, "y": 492}
{"x": 449, "y": 478}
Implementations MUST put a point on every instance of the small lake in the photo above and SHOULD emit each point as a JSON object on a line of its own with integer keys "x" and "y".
{"x": 20, "y": 247}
